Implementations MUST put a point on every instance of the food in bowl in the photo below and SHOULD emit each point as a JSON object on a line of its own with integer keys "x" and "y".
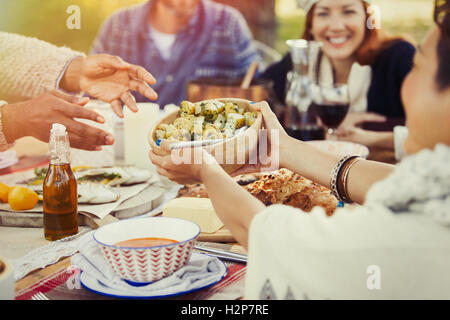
{"x": 232, "y": 152}
{"x": 206, "y": 120}
{"x": 143, "y": 264}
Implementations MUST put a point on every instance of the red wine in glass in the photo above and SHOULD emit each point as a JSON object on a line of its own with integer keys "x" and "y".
{"x": 331, "y": 103}
{"x": 332, "y": 115}
{"x": 307, "y": 132}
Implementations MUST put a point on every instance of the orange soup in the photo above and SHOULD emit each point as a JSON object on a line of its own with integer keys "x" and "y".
{"x": 144, "y": 242}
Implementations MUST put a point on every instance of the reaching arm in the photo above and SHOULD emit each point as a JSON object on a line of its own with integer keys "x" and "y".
{"x": 318, "y": 165}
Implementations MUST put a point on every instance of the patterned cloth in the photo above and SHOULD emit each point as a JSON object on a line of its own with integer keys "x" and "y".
{"x": 216, "y": 43}
{"x": 64, "y": 284}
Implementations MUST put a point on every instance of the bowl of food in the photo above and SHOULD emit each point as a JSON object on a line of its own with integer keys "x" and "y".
{"x": 148, "y": 249}
{"x": 341, "y": 148}
{"x": 229, "y": 128}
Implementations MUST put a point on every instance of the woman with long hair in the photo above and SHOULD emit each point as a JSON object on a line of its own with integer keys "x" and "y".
{"x": 372, "y": 62}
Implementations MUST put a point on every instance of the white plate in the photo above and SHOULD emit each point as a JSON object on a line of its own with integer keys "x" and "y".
{"x": 91, "y": 284}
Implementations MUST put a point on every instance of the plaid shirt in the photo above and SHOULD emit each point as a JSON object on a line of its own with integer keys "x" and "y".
{"x": 216, "y": 43}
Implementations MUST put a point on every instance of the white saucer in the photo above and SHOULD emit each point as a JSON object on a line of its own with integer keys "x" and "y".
{"x": 92, "y": 284}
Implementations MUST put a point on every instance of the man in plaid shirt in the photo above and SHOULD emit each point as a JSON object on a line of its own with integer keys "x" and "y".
{"x": 177, "y": 40}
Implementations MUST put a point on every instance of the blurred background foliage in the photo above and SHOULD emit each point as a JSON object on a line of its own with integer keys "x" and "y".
{"x": 46, "y": 19}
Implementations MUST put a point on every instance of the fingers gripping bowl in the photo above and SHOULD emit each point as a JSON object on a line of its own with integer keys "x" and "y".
{"x": 232, "y": 150}
{"x": 143, "y": 264}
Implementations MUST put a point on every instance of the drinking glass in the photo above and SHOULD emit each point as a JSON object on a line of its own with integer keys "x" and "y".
{"x": 331, "y": 102}
{"x": 300, "y": 121}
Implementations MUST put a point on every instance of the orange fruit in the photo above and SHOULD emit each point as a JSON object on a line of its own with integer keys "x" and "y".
{"x": 21, "y": 198}
{"x": 4, "y": 190}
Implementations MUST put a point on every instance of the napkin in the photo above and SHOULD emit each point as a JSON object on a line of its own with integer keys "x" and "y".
{"x": 8, "y": 158}
{"x": 200, "y": 271}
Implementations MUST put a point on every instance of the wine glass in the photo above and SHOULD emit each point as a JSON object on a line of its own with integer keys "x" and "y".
{"x": 331, "y": 102}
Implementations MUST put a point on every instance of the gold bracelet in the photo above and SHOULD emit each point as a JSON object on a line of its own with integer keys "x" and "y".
{"x": 344, "y": 180}
{"x": 336, "y": 174}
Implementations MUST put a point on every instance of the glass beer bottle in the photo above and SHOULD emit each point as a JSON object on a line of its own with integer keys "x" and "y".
{"x": 60, "y": 189}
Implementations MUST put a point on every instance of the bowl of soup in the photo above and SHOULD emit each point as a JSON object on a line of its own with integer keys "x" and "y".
{"x": 147, "y": 249}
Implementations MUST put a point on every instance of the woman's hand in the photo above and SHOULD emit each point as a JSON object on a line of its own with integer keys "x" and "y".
{"x": 234, "y": 206}
{"x": 270, "y": 119}
{"x": 109, "y": 79}
{"x": 183, "y": 166}
{"x": 275, "y": 148}
{"x": 35, "y": 118}
{"x": 354, "y": 119}
{"x": 371, "y": 139}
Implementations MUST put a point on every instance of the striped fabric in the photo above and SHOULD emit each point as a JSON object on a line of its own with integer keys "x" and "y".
{"x": 216, "y": 43}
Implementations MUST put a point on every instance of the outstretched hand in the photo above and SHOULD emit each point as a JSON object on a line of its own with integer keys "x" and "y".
{"x": 109, "y": 79}
{"x": 35, "y": 118}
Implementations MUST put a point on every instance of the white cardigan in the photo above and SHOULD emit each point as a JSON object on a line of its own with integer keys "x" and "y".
{"x": 29, "y": 67}
{"x": 396, "y": 246}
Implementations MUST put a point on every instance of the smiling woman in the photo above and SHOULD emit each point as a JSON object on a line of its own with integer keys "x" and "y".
{"x": 371, "y": 61}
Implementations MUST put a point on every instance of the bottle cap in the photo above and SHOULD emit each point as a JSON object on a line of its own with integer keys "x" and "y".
{"x": 56, "y": 127}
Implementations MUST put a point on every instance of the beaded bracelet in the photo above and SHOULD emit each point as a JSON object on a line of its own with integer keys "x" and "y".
{"x": 342, "y": 185}
{"x": 335, "y": 175}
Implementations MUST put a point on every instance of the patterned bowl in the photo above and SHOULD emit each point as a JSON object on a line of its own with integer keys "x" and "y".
{"x": 147, "y": 264}
{"x": 341, "y": 148}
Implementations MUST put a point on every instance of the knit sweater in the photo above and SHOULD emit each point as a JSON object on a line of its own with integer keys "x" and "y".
{"x": 29, "y": 67}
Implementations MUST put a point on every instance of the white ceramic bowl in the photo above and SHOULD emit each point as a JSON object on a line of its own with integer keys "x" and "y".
{"x": 341, "y": 148}
{"x": 147, "y": 264}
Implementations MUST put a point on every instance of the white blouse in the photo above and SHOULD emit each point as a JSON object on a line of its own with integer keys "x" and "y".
{"x": 359, "y": 81}
{"x": 163, "y": 42}
{"x": 396, "y": 246}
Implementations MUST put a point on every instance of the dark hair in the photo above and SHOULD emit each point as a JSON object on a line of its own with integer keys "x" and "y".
{"x": 442, "y": 18}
